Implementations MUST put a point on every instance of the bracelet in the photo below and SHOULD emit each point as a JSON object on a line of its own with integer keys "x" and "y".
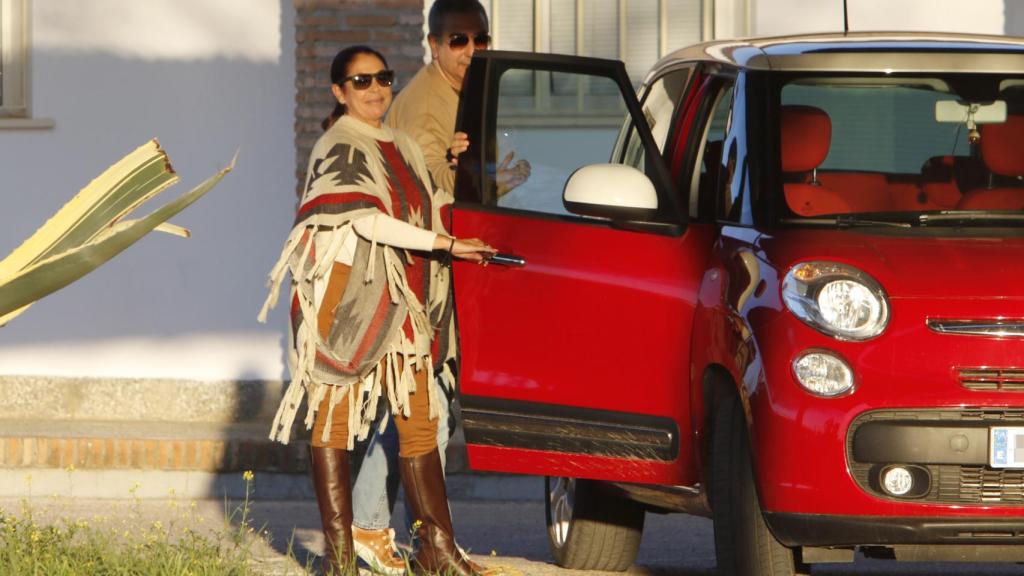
{"x": 452, "y": 245}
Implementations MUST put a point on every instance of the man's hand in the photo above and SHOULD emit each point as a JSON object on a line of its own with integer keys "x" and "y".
{"x": 512, "y": 175}
{"x": 460, "y": 142}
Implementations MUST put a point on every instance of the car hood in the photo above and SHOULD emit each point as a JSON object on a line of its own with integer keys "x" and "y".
{"x": 930, "y": 267}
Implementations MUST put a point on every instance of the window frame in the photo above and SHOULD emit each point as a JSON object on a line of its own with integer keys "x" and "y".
{"x": 478, "y": 117}
{"x": 623, "y": 146}
{"x": 15, "y": 100}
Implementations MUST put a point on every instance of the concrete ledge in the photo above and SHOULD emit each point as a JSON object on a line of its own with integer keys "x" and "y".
{"x": 146, "y": 446}
{"x": 151, "y": 484}
{"x": 147, "y": 424}
{"x": 143, "y": 399}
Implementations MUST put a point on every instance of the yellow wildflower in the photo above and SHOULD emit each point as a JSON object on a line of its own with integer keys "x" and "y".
{"x": 247, "y": 475}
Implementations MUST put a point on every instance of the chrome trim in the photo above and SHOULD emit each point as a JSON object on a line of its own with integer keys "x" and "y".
{"x": 990, "y": 328}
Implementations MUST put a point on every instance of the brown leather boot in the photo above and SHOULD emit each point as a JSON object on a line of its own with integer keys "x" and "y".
{"x": 423, "y": 481}
{"x": 331, "y": 474}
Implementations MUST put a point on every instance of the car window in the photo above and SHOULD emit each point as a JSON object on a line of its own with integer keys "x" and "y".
{"x": 570, "y": 123}
{"x": 881, "y": 145}
{"x": 659, "y": 106}
{"x": 708, "y": 178}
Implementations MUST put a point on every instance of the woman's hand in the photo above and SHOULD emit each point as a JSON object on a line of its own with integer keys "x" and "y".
{"x": 460, "y": 143}
{"x": 465, "y": 248}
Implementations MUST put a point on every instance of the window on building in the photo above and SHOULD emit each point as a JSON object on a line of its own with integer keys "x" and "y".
{"x": 638, "y": 32}
{"x": 13, "y": 58}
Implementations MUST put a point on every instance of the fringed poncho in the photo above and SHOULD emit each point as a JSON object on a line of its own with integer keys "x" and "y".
{"x": 394, "y": 315}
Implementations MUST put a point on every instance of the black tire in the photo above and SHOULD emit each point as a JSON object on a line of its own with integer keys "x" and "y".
{"x": 591, "y": 529}
{"x": 744, "y": 546}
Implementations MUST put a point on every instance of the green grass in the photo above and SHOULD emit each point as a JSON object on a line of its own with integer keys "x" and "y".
{"x": 133, "y": 546}
{"x": 129, "y": 544}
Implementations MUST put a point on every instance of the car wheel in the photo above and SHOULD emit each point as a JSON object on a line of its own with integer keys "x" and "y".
{"x": 744, "y": 546}
{"x": 590, "y": 529}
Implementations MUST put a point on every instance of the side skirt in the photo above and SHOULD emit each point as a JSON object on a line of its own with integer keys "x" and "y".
{"x": 569, "y": 430}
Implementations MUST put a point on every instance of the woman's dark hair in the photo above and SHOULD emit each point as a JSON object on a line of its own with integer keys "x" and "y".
{"x": 442, "y": 8}
{"x": 339, "y": 71}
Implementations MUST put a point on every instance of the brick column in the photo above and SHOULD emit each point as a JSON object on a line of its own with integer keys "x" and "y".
{"x": 394, "y": 27}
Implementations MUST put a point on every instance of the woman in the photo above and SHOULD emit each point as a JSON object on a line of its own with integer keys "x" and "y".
{"x": 369, "y": 307}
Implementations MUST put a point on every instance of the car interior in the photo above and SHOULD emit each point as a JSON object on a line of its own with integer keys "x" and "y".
{"x": 990, "y": 176}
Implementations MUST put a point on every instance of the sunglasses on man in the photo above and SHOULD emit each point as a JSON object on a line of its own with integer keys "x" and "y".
{"x": 458, "y": 40}
{"x": 363, "y": 81}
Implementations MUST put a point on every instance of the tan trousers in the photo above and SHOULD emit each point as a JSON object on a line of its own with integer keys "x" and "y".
{"x": 417, "y": 434}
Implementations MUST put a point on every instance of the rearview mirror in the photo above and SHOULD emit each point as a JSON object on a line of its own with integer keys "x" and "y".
{"x": 612, "y": 191}
{"x": 955, "y": 112}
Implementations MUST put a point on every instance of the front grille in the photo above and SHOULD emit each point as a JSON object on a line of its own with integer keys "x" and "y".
{"x": 992, "y": 380}
{"x": 950, "y": 483}
{"x": 980, "y": 485}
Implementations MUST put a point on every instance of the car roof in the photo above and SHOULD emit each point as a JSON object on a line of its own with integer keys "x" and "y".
{"x": 869, "y": 52}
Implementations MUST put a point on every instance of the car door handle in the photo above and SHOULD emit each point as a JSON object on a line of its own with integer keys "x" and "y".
{"x": 507, "y": 260}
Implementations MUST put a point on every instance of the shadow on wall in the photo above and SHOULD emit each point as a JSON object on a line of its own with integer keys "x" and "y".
{"x": 207, "y": 77}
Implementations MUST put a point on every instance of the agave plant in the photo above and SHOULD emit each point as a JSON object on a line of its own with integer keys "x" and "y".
{"x": 91, "y": 228}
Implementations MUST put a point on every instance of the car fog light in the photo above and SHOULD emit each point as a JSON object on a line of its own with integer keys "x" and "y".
{"x": 897, "y": 481}
{"x": 823, "y": 373}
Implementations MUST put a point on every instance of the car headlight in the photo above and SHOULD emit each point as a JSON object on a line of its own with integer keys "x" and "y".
{"x": 823, "y": 373}
{"x": 836, "y": 299}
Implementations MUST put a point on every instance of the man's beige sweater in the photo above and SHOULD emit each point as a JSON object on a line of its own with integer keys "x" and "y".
{"x": 425, "y": 109}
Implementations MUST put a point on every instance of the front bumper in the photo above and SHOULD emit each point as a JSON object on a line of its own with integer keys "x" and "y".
{"x": 823, "y": 530}
{"x": 950, "y": 448}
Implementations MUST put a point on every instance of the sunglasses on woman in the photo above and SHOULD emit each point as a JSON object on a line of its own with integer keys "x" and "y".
{"x": 458, "y": 40}
{"x": 363, "y": 81}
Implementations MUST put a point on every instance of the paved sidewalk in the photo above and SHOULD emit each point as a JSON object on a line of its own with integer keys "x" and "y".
{"x": 286, "y": 533}
{"x": 506, "y": 534}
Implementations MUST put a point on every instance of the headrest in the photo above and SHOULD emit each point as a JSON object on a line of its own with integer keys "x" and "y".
{"x": 806, "y": 138}
{"x": 1000, "y": 146}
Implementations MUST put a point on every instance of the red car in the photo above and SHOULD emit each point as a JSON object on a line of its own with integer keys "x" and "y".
{"x": 783, "y": 288}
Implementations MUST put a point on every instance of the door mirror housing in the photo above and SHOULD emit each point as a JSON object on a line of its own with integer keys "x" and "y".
{"x": 612, "y": 191}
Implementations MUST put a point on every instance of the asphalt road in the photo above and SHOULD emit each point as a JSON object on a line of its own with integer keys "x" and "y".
{"x": 506, "y": 534}
{"x": 512, "y": 535}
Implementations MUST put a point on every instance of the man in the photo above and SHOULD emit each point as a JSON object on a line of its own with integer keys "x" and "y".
{"x": 425, "y": 109}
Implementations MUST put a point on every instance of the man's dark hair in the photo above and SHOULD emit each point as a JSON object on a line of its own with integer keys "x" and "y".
{"x": 442, "y": 8}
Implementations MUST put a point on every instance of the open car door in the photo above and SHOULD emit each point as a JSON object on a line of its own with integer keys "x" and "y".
{"x": 575, "y": 341}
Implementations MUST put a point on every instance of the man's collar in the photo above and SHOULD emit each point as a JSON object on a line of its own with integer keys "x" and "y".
{"x": 446, "y": 78}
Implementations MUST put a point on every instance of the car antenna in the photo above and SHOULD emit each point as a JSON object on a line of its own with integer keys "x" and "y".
{"x": 846, "y": 20}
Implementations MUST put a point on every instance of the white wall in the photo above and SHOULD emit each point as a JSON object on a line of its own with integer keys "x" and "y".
{"x": 778, "y": 17}
{"x": 206, "y": 77}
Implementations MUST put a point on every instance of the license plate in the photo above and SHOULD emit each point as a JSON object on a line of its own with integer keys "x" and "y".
{"x": 1006, "y": 447}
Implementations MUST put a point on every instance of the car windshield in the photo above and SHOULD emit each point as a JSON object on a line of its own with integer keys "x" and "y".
{"x": 902, "y": 149}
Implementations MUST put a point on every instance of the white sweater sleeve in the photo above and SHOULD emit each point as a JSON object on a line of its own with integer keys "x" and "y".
{"x": 394, "y": 232}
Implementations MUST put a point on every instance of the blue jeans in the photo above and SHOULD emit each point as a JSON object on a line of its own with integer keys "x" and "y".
{"x": 377, "y": 479}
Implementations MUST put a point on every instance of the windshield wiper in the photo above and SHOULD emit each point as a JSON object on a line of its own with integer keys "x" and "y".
{"x": 956, "y": 218}
{"x": 850, "y": 221}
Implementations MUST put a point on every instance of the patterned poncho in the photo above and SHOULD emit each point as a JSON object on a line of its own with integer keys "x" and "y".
{"x": 394, "y": 315}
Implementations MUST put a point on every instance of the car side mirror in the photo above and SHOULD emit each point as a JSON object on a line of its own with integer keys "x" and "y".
{"x": 612, "y": 191}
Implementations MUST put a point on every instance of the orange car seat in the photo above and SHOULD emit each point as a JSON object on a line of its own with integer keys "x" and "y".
{"x": 806, "y": 136}
{"x": 1000, "y": 149}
